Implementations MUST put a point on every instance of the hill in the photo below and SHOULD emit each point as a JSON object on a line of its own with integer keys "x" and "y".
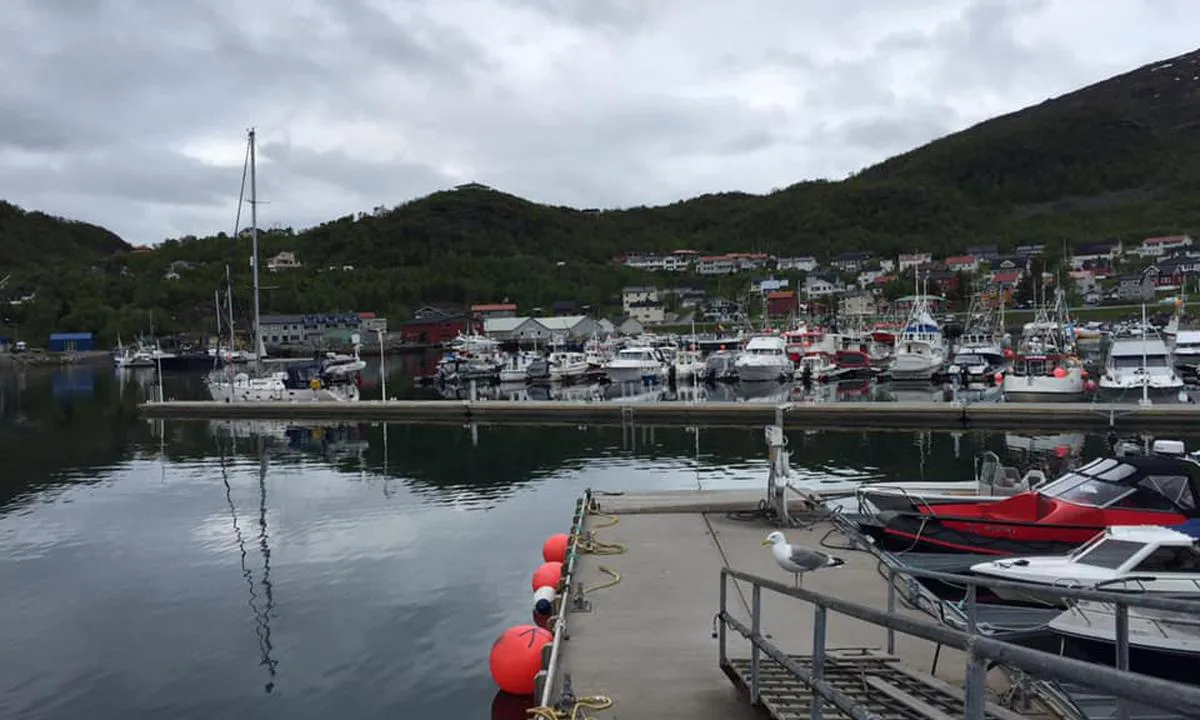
{"x": 1117, "y": 159}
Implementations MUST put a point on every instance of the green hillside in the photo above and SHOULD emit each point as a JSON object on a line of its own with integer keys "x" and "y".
{"x": 1118, "y": 159}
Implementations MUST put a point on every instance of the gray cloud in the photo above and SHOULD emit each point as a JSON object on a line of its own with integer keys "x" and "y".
{"x": 129, "y": 114}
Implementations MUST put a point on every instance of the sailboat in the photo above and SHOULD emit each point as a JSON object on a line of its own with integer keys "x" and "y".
{"x": 332, "y": 379}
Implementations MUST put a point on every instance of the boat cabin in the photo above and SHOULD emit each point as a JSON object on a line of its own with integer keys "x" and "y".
{"x": 1151, "y": 483}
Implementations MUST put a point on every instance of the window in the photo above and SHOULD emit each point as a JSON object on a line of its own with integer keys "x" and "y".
{"x": 1111, "y": 553}
{"x": 1171, "y": 559}
{"x": 1176, "y": 488}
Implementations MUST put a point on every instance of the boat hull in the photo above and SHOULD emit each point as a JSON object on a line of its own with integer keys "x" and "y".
{"x": 1044, "y": 388}
{"x": 633, "y": 374}
{"x": 222, "y": 392}
{"x": 762, "y": 373}
{"x": 914, "y": 367}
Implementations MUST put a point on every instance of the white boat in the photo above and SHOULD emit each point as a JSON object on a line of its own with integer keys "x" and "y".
{"x": 1140, "y": 364}
{"x": 1045, "y": 367}
{"x": 816, "y": 366}
{"x": 993, "y": 481}
{"x": 1124, "y": 558}
{"x": 567, "y": 366}
{"x": 1162, "y": 643}
{"x": 640, "y": 363}
{"x": 920, "y": 348}
{"x": 977, "y": 364}
{"x": 1187, "y": 348}
{"x": 688, "y": 364}
{"x": 764, "y": 359}
{"x": 516, "y": 367}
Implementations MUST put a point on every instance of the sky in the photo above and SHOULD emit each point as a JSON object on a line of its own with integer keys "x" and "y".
{"x": 132, "y": 113}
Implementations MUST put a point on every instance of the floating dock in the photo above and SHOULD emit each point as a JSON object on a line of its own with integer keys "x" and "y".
{"x": 666, "y": 591}
{"x": 883, "y": 415}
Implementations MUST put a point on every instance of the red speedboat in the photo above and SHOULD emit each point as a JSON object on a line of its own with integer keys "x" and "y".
{"x": 1051, "y": 519}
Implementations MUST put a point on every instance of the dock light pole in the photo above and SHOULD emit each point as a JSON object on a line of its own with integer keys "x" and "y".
{"x": 382, "y": 365}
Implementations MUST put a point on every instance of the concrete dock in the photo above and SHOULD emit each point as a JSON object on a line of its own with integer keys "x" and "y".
{"x": 883, "y": 415}
{"x": 648, "y": 641}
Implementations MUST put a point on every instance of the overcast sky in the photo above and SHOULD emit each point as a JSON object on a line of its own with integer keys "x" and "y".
{"x": 131, "y": 113}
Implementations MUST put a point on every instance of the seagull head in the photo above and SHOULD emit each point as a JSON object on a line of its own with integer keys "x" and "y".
{"x": 774, "y": 538}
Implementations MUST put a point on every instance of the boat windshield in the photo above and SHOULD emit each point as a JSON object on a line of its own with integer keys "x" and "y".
{"x": 1109, "y": 553}
{"x": 1111, "y": 483}
{"x": 635, "y": 355}
{"x": 969, "y": 359}
{"x": 1135, "y": 361}
{"x": 765, "y": 351}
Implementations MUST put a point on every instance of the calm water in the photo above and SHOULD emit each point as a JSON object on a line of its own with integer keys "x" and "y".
{"x": 200, "y": 570}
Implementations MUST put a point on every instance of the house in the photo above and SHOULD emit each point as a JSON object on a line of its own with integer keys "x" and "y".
{"x": 70, "y": 342}
{"x": 1009, "y": 262}
{"x": 858, "y": 303}
{"x": 433, "y": 330}
{"x": 716, "y": 265}
{"x": 816, "y": 286}
{"x": 767, "y": 285}
{"x": 1085, "y": 282}
{"x": 851, "y": 261}
{"x": 962, "y": 263}
{"x": 433, "y": 312}
{"x": 803, "y": 263}
{"x": 720, "y": 310}
{"x": 506, "y": 329}
{"x": 628, "y": 326}
{"x": 679, "y": 260}
{"x": 484, "y": 311}
{"x": 1180, "y": 265}
{"x": 568, "y": 327}
{"x": 285, "y": 260}
{"x": 913, "y": 260}
{"x": 879, "y": 283}
{"x": 1002, "y": 287}
{"x": 1106, "y": 251}
{"x": 369, "y": 324}
{"x": 782, "y": 302}
{"x": 631, "y": 296}
{"x": 983, "y": 253}
{"x": 643, "y": 261}
{"x": 565, "y": 307}
{"x": 314, "y": 330}
{"x": 1028, "y": 251}
{"x": 867, "y": 277}
{"x": 647, "y": 312}
{"x": 1136, "y": 287}
{"x": 1159, "y": 246}
{"x": 687, "y": 297}
{"x": 944, "y": 281}
{"x": 887, "y": 265}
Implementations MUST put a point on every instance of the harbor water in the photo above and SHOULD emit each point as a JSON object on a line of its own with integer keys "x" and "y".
{"x": 154, "y": 569}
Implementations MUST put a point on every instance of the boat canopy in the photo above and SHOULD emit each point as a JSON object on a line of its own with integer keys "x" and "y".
{"x": 1150, "y": 483}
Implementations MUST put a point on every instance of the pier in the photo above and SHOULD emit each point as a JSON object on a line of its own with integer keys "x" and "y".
{"x": 674, "y": 609}
{"x": 884, "y": 415}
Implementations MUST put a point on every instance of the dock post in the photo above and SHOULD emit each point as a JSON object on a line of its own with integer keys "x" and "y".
{"x": 818, "y": 659}
{"x": 755, "y": 639}
{"x": 891, "y": 608}
{"x": 1121, "y": 617}
{"x": 976, "y": 664}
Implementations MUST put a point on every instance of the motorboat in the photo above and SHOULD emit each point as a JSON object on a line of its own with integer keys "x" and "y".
{"x": 977, "y": 364}
{"x": 1138, "y": 365}
{"x": 1054, "y": 518}
{"x": 640, "y": 363}
{"x": 1137, "y": 558}
{"x": 460, "y": 367}
{"x": 764, "y": 359}
{"x": 850, "y": 364}
{"x": 815, "y": 367}
{"x": 993, "y": 481}
{"x": 688, "y": 364}
{"x": 330, "y": 380}
{"x": 567, "y": 366}
{"x": 516, "y": 366}
{"x": 719, "y": 367}
{"x": 1187, "y": 350}
{"x": 1162, "y": 643}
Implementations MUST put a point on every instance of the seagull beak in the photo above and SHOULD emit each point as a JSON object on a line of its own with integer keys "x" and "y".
{"x": 765, "y": 542}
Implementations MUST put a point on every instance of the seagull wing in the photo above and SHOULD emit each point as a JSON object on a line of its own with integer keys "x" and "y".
{"x": 807, "y": 558}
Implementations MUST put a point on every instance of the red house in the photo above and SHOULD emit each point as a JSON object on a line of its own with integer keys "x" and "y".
{"x": 432, "y": 330}
{"x": 782, "y": 302}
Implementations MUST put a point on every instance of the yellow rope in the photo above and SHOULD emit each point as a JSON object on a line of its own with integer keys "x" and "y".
{"x": 587, "y": 542}
{"x": 616, "y": 578}
{"x": 592, "y": 702}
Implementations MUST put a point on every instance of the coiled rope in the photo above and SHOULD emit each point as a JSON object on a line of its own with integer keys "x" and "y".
{"x": 591, "y": 702}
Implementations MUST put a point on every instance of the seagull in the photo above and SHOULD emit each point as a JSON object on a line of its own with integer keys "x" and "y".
{"x": 797, "y": 560}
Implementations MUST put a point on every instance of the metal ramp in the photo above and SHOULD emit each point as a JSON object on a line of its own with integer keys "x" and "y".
{"x": 880, "y": 683}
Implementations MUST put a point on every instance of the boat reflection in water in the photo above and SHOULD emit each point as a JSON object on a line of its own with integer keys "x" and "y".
{"x": 329, "y": 440}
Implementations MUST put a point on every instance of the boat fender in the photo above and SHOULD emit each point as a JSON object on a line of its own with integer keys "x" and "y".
{"x": 543, "y": 600}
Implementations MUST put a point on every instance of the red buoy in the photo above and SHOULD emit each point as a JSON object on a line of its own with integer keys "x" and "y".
{"x": 516, "y": 658}
{"x": 548, "y": 574}
{"x": 555, "y": 548}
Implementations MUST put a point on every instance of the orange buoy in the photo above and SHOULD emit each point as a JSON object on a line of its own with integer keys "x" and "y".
{"x": 1059, "y": 372}
{"x": 555, "y": 548}
{"x": 1083, "y": 374}
{"x": 999, "y": 378}
{"x": 548, "y": 574}
{"x": 516, "y": 658}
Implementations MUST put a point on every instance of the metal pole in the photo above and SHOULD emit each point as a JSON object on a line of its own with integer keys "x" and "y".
{"x": 254, "y": 247}
{"x": 382, "y": 365}
{"x": 972, "y": 608}
{"x": 721, "y": 637}
{"x": 974, "y": 705}
{"x": 891, "y": 608}
{"x": 755, "y": 639}
{"x": 818, "y": 658}
{"x": 1121, "y": 612}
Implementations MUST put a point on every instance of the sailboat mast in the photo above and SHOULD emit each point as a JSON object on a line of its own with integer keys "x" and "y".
{"x": 254, "y": 246}
{"x": 229, "y": 309}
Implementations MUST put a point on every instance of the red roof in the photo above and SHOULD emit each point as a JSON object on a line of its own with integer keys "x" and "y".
{"x": 366, "y": 315}
{"x": 960, "y": 260}
{"x": 1164, "y": 239}
{"x": 493, "y": 307}
{"x": 1006, "y": 276}
{"x": 781, "y": 294}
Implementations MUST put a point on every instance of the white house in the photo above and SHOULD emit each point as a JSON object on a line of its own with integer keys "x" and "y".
{"x": 866, "y": 277}
{"x": 887, "y": 265}
{"x": 648, "y": 312}
{"x": 1095, "y": 251}
{"x": 770, "y": 284}
{"x": 1159, "y": 246}
{"x": 568, "y": 327}
{"x": 913, "y": 260}
{"x": 631, "y": 296}
{"x": 804, "y": 263}
{"x": 716, "y": 265}
{"x": 962, "y": 263}
{"x": 285, "y": 260}
{"x": 815, "y": 287}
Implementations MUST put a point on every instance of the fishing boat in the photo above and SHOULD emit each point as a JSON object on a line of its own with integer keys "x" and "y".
{"x": 720, "y": 367}
{"x": 516, "y": 366}
{"x": 688, "y": 364}
{"x": 920, "y": 347}
{"x": 1053, "y": 518}
{"x": 1045, "y": 367}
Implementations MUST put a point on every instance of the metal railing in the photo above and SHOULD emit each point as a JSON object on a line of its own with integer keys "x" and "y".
{"x": 547, "y": 683}
{"x": 979, "y": 648}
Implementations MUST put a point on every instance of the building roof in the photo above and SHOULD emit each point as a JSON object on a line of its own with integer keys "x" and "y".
{"x": 565, "y": 322}
{"x": 71, "y": 336}
{"x": 1006, "y": 276}
{"x": 506, "y": 324}
{"x": 960, "y": 260}
{"x": 781, "y": 294}
{"x": 1163, "y": 240}
{"x": 493, "y": 307}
